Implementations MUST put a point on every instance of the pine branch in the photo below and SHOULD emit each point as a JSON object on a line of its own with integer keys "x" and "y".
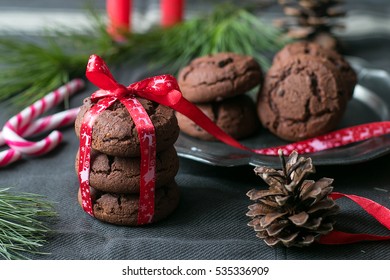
{"x": 228, "y": 29}
{"x": 29, "y": 70}
{"x": 22, "y": 230}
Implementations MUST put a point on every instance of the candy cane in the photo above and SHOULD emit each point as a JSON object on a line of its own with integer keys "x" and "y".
{"x": 41, "y": 125}
{"x": 46, "y": 124}
{"x": 25, "y": 117}
{"x": 9, "y": 156}
{"x": 51, "y": 122}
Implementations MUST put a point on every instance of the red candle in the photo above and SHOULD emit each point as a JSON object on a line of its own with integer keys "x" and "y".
{"x": 119, "y": 17}
{"x": 171, "y": 12}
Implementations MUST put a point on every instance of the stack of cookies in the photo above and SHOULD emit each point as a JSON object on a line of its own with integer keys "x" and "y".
{"x": 305, "y": 92}
{"x": 217, "y": 85}
{"x": 115, "y": 162}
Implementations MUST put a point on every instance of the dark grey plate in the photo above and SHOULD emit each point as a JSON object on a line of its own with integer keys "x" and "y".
{"x": 371, "y": 102}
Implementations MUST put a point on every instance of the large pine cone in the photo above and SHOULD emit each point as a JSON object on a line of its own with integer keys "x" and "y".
{"x": 293, "y": 211}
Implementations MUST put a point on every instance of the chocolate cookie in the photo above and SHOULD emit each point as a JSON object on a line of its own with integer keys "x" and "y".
{"x": 114, "y": 132}
{"x": 301, "y": 99}
{"x": 349, "y": 77}
{"x": 122, "y": 209}
{"x": 236, "y": 116}
{"x": 122, "y": 175}
{"x": 219, "y": 76}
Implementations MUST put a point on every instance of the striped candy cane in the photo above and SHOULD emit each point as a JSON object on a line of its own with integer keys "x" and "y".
{"x": 21, "y": 121}
{"x": 38, "y": 126}
{"x": 9, "y": 156}
{"x": 46, "y": 124}
{"x": 51, "y": 122}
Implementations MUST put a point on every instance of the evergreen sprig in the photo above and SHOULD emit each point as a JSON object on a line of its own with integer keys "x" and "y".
{"x": 228, "y": 29}
{"x": 22, "y": 228}
{"x": 29, "y": 69}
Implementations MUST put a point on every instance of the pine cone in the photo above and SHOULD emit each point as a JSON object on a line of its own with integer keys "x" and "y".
{"x": 312, "y": 20}
{"x": 293, "y": 211}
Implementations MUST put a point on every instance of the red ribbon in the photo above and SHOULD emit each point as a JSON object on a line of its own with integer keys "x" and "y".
{"x": 338, "y": 138}
{"x": 111, "y": 91}
{"x": 165, "y": 90}
{"x": 379, "y": 212}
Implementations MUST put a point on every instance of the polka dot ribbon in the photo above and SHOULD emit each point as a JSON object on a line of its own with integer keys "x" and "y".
{"x": 164, "y": 90}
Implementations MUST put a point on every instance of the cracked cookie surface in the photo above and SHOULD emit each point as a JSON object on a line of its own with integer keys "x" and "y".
{"x": 219, "y": 76}
{"x": 122, "y": 175}
{"x": 349, "y": 77}
{"x": 301, "y": 98}
{"x": 114, "y": 132}
{"x": 122, "y": 209}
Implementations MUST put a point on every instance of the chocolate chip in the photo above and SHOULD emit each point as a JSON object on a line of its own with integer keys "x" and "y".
{"x": 225, "y": 62}
{"x": 280, "y": 92}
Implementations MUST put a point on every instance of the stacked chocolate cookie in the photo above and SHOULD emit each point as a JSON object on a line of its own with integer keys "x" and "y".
{"x": 217, "y": 85}
{"x": 305, "y": 92}
{"x": 115, "y": 162}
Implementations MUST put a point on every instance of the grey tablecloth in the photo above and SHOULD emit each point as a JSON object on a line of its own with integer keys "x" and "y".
{"x": 210, "y": 222}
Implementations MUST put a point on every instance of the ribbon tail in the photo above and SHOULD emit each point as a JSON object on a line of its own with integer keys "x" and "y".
{"x": 339, "y": 237}
{"x": 175, "y": 100}
{"x": 188, "y": 109}
{"x": 379, "y": 212}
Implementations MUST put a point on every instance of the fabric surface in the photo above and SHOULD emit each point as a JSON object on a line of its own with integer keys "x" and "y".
{"x": 210, "y": 222}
